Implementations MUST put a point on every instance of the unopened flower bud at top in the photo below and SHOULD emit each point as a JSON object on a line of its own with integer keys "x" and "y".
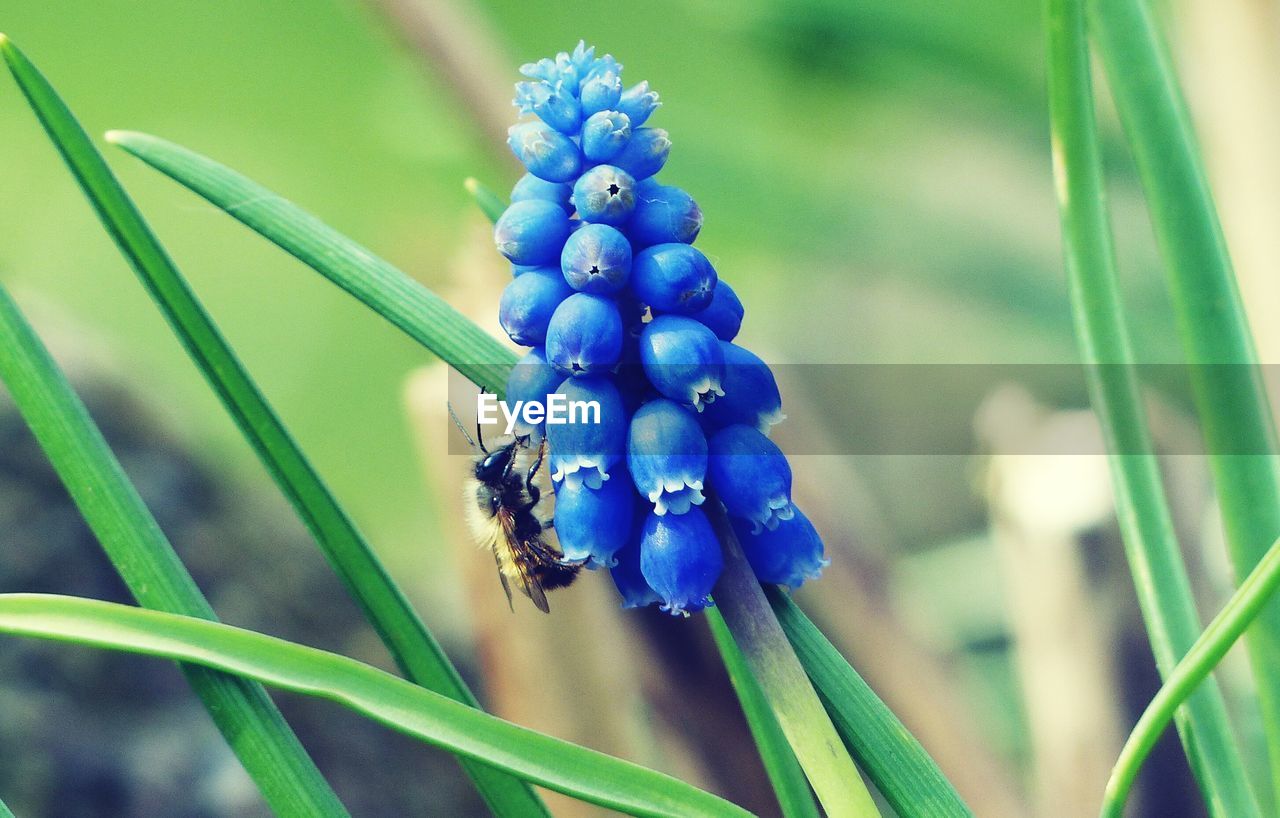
{"x": 545, "y": 152}
{"x": 667, "y": 456}
{"x": 638, "y": 102}
{"x": 553, "y": 103}
{"x": 604, "y": 135}
{"x": 596, "y": 259}
{"x": 645, "y": 152}
{"x": 601, "y": 92}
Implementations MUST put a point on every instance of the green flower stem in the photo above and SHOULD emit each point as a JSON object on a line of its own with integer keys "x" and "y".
{"x": 902, "y": 771}
{"x": 1232, "y": 402}
{"x": 780, "y": 763}
{"x": 568, "y": 768}
{"x": 147, "y": 563}
{"x": 412, "y": 646}
{"x": 1159, "y": 574}
{"x": 817, "y": 746}
{"x": 1244, "y": 606}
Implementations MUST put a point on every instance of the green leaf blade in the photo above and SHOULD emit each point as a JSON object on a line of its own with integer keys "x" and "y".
{"x": 411, "y": 307}
{"x": 893, "y": 759}
{"x": 1160, "y": 576}
{"x": 1232, "y": 402}
{"x": 785, "y": 774}
{"x": 147, "y": 563}
{"x": 411, "y": 644}
{"x": 490, "y": 203}
{"x": 1243, "y": 607}
{"x": 400, "y": 705}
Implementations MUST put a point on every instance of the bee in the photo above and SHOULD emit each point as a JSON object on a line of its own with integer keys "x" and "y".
{"x": 502, "y": 503}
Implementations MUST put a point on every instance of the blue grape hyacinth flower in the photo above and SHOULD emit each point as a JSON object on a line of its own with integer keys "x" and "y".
{"x": 751, "y": 475}
{"x": 584, "y": 335}
{"x": 664, "y": 215}
{"x": 604, "y": 135}
{"x": 528, "y": 303}
{"x": 680, "y": 559}
{"x": 596, "y": 259}
{"x": 586, "y": 447}
{"x": 593, "y": 524}
{"x": 533, "y": 378}
{"x": 545, "y": 152}
{"x": 604, "y": 195}
{"x": 788, "y": 554}
{"x": 531, "y": 187}
{"x": 674, "y": 277}
{"x": 751, "y": 394}
{"x": 723, "y": 315}
{"x": 667, "y": 456}
{"x": 621, "y": 309}
{"x": 683, "y": 360}
{"x": 628, "y": 579}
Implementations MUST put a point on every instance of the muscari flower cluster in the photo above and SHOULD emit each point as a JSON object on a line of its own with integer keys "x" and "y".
{"x": 620, "y": 308}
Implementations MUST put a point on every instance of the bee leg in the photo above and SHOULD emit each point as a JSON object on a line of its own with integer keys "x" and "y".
{"x": 535, "y": 494}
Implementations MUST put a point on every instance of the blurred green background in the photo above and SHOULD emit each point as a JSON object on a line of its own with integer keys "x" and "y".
{"x": 878, "y": 167}
{"x": 876, "y": 183}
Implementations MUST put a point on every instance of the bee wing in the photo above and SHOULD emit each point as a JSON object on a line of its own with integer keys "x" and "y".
{"x": 520, "y": 560}
{"x": 506, "y": 586}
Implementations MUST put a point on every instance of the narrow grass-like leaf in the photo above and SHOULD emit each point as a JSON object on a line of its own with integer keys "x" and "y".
{"x": 1243, "y": 607}
{"x": 490, "y": 203}
{"x": 148, "y": 565}
{"x": 1232, "y": 402}
{"x": 4, "y": 811}
{"x": 813, "y": 738}
{"x": 780, "y": 763}
{"x": 895, "y": 762}
{"x": 568, "y": 768}
{"x": 420, "y": 313}
{"x": 413, "y": 647}
{"x": 1159, "y": 574}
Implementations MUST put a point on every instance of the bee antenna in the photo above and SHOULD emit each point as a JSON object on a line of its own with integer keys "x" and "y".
{"x": 458, "y": 423}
